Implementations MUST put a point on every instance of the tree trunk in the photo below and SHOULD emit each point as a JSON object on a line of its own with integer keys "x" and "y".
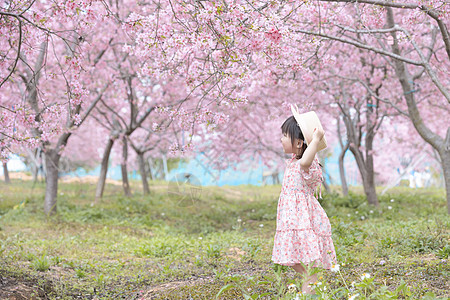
{"x": 365, "y": 166}
{"x": 103, "y": 170}
{"x": 370, "y": 172}
{"x": 34, "y": 172}
{"x": 341, "y": 158}
{"x": 445, "y": 158}
{"x": 342, "y": 171}
{"x": 51, "y": 179}
{"x": 143, "y": 172}
{"x": 123, "y": 167}
{"x": 369, "y": 190}
{"x": 369, "y": 186}
{"x": 166, "y": 171}
{"x": 324, "y": 182}
{"x": 43, "y": 167}
{"x": 6, "y": 173}
{"x": 367, "y": 179}
{"x": 150, "y": 168}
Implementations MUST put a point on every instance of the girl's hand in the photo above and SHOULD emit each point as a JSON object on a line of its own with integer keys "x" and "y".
{"x": 318, "y": 134}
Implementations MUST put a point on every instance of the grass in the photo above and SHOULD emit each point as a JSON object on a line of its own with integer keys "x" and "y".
{"x": 151, "y": 247}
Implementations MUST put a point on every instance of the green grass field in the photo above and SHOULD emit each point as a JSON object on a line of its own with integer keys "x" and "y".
{"x": 153, "y": 247}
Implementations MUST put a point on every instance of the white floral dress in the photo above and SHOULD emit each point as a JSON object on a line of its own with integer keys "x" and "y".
{"x": 303, "y": 232}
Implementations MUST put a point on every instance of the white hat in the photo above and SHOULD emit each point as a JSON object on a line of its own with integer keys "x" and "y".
{"x": 307, "y": 122}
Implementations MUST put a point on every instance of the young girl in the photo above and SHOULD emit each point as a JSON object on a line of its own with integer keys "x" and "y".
{"x": 303, "y": 232}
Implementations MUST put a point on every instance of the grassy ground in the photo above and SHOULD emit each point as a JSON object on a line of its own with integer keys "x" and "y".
{"x": 156, "y": 247}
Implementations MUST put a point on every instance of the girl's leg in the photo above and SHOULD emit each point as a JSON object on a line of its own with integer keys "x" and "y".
{"x": 299, "y": 269}
{"x": 307, "y": 287}
{"x": 307, "y": 280}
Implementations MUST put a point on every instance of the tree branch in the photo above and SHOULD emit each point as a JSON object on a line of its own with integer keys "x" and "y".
{"x": 362, "y": 46}
{"x": 93, "y": 104}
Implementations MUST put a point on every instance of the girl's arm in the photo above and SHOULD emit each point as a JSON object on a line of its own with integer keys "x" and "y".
{"x": 311, "y": 150}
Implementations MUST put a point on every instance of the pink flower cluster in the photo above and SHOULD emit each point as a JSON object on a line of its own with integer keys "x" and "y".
{"x": 274, "y": 35}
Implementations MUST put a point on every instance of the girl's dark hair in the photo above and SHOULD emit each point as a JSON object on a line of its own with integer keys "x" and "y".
{"x": 293, "y": 130}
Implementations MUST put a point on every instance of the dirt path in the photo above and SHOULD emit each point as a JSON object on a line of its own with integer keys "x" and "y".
{"x": 12, "y": 289}
{"x": 154, "y": 291}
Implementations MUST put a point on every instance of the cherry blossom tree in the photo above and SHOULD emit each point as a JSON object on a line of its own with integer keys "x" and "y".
{"x": 149, "y": 141}
{"x": 220, "y": 46}
{"x": 361, "y": 113}
{"x": 42, "y": 96}
{"x": 131, "y": 102}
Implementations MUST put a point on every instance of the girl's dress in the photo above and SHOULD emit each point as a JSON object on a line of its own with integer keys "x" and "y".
{"x": 303, "y": 231}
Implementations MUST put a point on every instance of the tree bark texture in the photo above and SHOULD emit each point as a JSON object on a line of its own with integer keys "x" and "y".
{"x": 143, "y": 172}
{"x": 446, "y": 166}
{"x": 344, "y": 149}
{"x": 342, "y": 171}
{"x": 123, "y": 167}
{"x": 6, "y": 173}
{"x": 51, "y": 188}
{"x": 150, "y": 168}
{"x": 103, "y": 170}
{"x": 367, "y": 176}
